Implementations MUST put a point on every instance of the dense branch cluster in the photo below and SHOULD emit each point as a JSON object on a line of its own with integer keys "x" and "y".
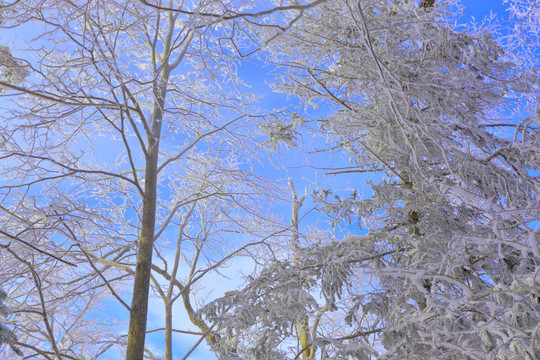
{"x": 452, "y": 242}
{"x": 133, "y": 152}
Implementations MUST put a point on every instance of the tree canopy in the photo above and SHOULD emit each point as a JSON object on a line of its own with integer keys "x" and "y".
{"x": 134, "y": 156}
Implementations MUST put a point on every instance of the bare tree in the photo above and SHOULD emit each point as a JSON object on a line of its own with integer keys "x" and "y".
{"x": 132, "y": 125}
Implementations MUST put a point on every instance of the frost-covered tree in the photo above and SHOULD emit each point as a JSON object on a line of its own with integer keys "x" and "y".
{"x": 127, "y": 161}
{"x": 6, "y": 335}
{"x": 446, "y": 260}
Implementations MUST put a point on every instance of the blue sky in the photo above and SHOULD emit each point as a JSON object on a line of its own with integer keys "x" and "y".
{"x": 481, "y": 8}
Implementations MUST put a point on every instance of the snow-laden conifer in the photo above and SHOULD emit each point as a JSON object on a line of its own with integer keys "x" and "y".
{"x": 449, "y": 118}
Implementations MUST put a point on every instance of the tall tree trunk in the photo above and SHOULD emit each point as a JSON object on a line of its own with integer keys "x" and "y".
{"x": 302, "y": 324}
{"x": 168, "y": 330}
{"x": 141, "y": 286}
